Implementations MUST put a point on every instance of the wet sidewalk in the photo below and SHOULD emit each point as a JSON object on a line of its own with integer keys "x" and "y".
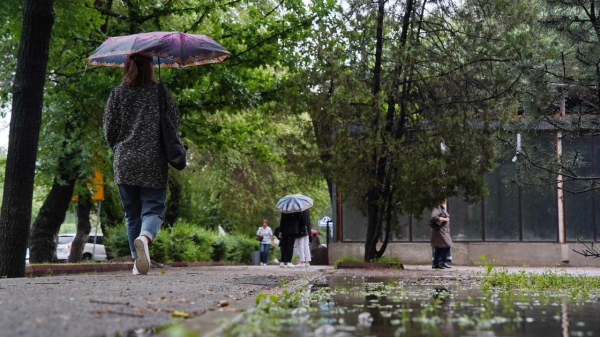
{"x": 104, "y": 304}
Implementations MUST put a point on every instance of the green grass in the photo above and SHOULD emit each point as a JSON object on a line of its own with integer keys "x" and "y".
{"x": 548, "y": 280}
{"x": 346, "y": 259}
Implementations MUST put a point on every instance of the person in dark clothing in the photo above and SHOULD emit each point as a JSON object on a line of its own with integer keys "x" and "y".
{"x": 290, "y": 228}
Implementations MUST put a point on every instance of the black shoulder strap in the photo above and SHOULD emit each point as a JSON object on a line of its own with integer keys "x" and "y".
{"x": 161, "y": 99}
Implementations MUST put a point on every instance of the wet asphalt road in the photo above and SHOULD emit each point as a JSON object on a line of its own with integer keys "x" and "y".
{"x": 110, "y": 304}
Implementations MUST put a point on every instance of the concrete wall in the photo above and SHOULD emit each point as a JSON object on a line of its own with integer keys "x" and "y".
{"x": 467, "y": 253}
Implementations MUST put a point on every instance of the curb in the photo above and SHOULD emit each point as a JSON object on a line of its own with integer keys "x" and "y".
{"x": 213, "y": 323}
{"x": 370, "y": 265}
{"x": 54, "y": 269}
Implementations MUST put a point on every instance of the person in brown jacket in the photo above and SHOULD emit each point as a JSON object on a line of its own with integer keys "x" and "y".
{"x": 440, "y": 238}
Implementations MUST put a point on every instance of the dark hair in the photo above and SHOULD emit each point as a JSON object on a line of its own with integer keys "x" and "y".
{"x": 139, "y": 70}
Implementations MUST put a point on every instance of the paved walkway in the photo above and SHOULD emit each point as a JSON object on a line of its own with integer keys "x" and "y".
{"x": 108, "y": 303}
{"x": 105, "y": 304}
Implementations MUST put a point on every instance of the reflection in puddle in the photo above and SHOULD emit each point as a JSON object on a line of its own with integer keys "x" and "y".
{"x": 363, "y": 307}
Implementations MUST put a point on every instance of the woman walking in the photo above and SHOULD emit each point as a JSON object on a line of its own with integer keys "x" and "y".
{"x": 304, "y": 239}
{"x": 266, "y": 234}
{"x": 132, "y": 129}
{"x": 441, "y": 240}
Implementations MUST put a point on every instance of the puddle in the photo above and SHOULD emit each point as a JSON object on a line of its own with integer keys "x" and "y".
{"x": 352, "y": 306}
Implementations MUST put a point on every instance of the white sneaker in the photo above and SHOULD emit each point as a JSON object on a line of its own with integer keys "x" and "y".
{"x": 306, "y": 264}
{"x": 289, "y": 265}
{"x": 135, "y": 271}
{"x": 281, "y": 264}
{"x": 142, "y": 262}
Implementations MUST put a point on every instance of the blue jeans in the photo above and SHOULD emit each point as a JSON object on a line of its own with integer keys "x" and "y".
{"x": 441, "y": 255}
{"x": 264, "y": 252}
{"x": 144, "y": 209}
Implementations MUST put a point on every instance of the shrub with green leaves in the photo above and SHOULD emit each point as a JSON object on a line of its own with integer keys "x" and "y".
{"x": 117, "y": 241}
{"x": 185, "y": 242}
{"x": 346, "y": 259}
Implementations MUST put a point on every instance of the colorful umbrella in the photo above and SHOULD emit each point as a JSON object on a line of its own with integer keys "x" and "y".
{"x": 314, "y": 232}
{"x": 170, "y": 49}
{"x": 294, "y": 203}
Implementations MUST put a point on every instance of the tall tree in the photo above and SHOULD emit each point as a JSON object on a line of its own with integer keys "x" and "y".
{"x": 28, "y": 89}
{"x": 410, "y": 93}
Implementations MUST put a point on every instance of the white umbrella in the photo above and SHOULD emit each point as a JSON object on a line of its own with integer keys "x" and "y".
{"x": 294, "y": 203}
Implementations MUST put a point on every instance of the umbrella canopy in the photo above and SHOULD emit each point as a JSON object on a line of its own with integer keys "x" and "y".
{"x": 294, "y": 203}
{"x": 315, "y": 232}
{"x": 175, "y": 49}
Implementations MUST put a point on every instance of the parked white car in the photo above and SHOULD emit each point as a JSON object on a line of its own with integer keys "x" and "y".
{"x": 63, "y": 249}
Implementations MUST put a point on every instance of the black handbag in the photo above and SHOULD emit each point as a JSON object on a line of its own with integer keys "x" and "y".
{"x": 171, "y": 142}
{"x": 433, "y": 224}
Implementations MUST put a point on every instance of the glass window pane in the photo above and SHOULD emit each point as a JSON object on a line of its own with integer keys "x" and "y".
{"x": 400, "y": 231}
{"x": 355, "y": 224}
{"x": 579, "y": 212}
{"x": 420, "y": 227}
{"x": 539, "y": 205}
{"x": 465, "y": 220}
{"x": 502, "y": 203}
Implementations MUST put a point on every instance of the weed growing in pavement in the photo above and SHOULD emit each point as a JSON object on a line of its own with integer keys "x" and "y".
{"x": 345, "y": 259}
{"x": 395, "y": 262}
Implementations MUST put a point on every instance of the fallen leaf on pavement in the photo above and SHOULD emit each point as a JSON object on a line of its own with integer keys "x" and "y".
{"x": 179, "y": 313}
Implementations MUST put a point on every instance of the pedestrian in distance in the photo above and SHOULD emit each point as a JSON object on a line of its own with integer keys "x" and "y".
{"x": 290, "y": 229}
{"x": 440, "y": 236}
{"x": 132, "y": 129}
{"x": 266, "y": 234}
{"x": 304, "y": 239}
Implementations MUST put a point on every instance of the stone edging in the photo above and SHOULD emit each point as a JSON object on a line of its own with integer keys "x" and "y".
{"x": 205, "y": 325}
{"x": 57, "y": 269}
{"x": 369, "y": 265}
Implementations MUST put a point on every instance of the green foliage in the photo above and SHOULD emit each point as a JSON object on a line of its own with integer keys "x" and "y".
{"x": 548, "y": 280}
{"x": 388, "y": 259}
{"x": 345, "y": 259}
{"x": 117, "y": 241}
{"x": 189, "y": 243}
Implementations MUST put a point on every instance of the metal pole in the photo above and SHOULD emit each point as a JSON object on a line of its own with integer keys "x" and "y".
{"x": 96, "y": 233}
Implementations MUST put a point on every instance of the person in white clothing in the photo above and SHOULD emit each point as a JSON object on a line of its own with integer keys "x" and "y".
{"x": 304, "y": 239}
{"x": 266, "y": 233}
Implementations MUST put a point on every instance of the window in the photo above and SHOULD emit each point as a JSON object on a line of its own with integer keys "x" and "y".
{"x": 501, "y": 207}
{"x": 400, "y": 231}
{"x": 465, "y": 220}
{"x": 355, "y": 225}
{"x": 63, "y": 240}
{"x": 539, "y": 204}
{"x": 579, "y": 208}
{"x": 420, "y": 227}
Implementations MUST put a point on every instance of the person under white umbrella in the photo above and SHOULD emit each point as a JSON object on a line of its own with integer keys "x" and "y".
{"x": 292, "y": 224}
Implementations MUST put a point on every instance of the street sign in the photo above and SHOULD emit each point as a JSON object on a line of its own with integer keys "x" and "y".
{"x": 324, "y": 222}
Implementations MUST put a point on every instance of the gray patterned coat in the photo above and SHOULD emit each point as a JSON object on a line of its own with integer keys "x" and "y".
{"x": 441, "y": 238}
{"x": 133, "y": 131}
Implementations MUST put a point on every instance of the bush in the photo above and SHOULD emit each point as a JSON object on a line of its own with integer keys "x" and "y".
{"x": 188, "y": 243}
{"x": 117, "y": 241}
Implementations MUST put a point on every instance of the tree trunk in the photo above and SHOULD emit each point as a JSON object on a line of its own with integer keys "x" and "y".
{"x": 42, "y": 243}
{"x": 28, "y": 91}
{"x": 83, "y": 228}
{"x": 174, "y": 202}
{"x": 379, "y": 196}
